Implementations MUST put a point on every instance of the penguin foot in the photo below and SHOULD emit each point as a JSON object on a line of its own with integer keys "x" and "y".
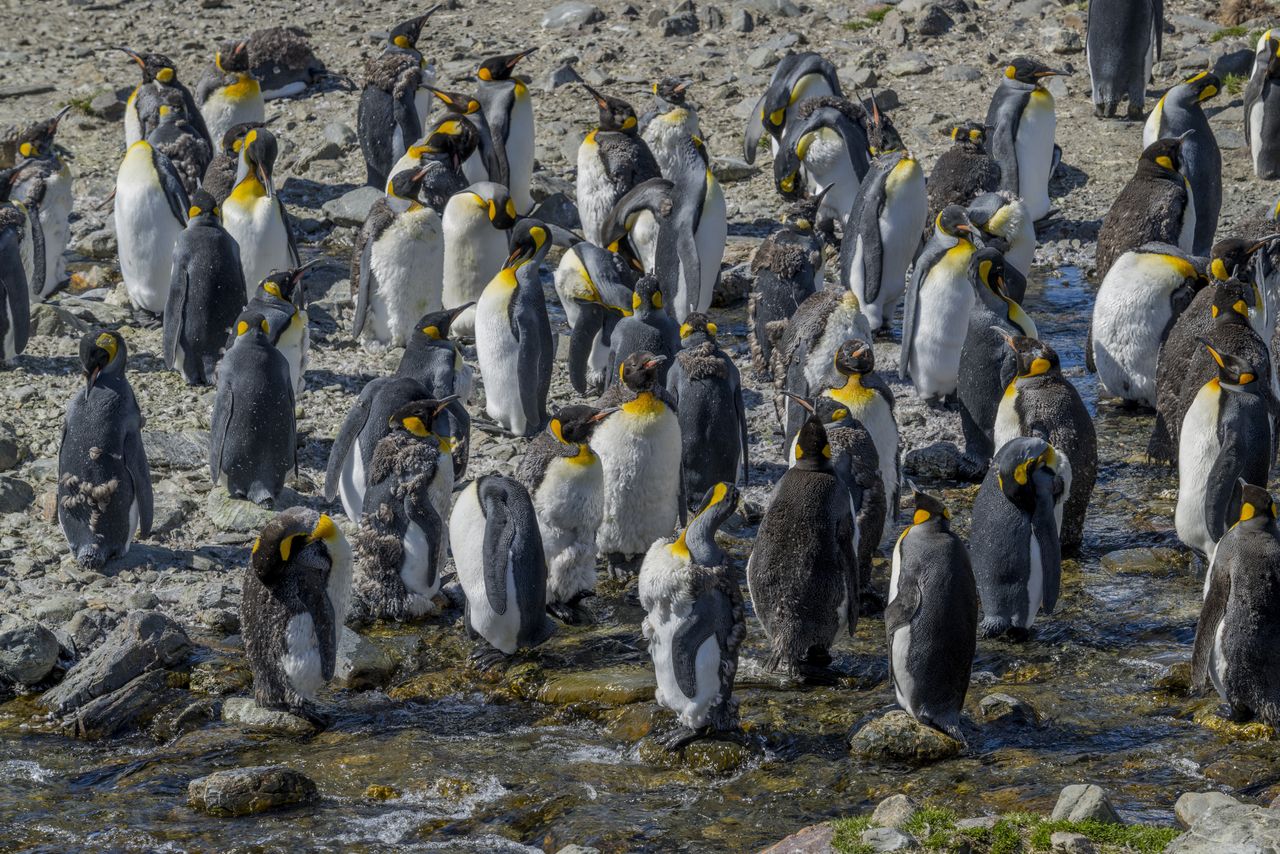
{"x": 146, "y": 319}
{"x": 487, "y": 658}
{"x": 91, "y": 557}
{"x": 682, "y": 737}
{"x": 818, "y": 674}
{"x": 314, "y": 716}
{"x": 1135, "y": 112}
{"x": 571, "y": 613}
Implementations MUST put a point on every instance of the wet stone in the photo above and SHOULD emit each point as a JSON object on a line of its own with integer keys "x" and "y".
{"x": 898, "y": 737}
{"x": 1005, "y": 708}
{"x": 247, "y": 791}
{"x": 1192, "y": 806}
{"x": 893, "y": 811}
{"x": 814, "y": 839}
{"x": 28, "y": 652}
{"x": 244, "y": 713}
{"x": 1085, "y": 802}
{"x": 613, "y": 687}
{"x": 1231, "y": 828}
{"x": 888, "y": 839}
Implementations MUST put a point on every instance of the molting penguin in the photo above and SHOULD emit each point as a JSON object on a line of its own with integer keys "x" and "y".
{"x": 1041, "y": 402}
{"x": 694, "y": 621}
{"x": 433, "y": 359}
{"x": 1238, "y": 635}
{"x": 206, "y": 293}
{"x": 566, "y": 483}
{"x": 1002, "y": 221}
{"x": 25, "y": 221}
{"x": 509, "y": 112}
{"x": 150, "y": 215}
{"x": 282, "y": 59}
{"x": 141, "y": 114}
{"x": 964, "y": 170}
{"x": 596, "y": 288}
{"x": 707, "y": 390}
{"x": 1023, "y": 124}
{"x": 1262, "y": 108}
{"x": 15, "y": 291}
{"x": 255, "y": 216}
{"x": 498, "y": 552}
{"x": 281, "y": 301}
{"x": 796, "y": 77}
{"x": 475, "y": 225}
{"x": 1177, "y": 114}
{"x": 1154, "y": 207}
{"x": 41, "y": 181}
{"x": 229, "y": 94}
{"x": 388, "y": 118}
{"x": 295, "y": 595}
{"x": 175, "y": 138}
{"x": 828, "y": 141}
{"x": 669, "y": 121}
{"x": 1225, "y": 436}
{"x": 787, "y": 270}
{"x": 104, "y": 482}
{"x": 220, "y": 175}
{"x": 938, "y": 302}
{"x": 252, "y": 434}
{"x": 931, "y": 619}
{"x": 1017, "y": 555}
{"x": 803, "y": 570}
{"x": 1122, "y": 41}
{"x": 804, "y": 358}
{"x": 440, "y": 155}
{"x": 647, "y": 329}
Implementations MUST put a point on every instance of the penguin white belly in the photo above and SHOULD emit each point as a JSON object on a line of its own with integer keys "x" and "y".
{"x": 666, "y": 133}
{"x": 1008, "y": 426}
{"x": 1198, "y": 449}
{"x": 842, "y": 324}
{"x": 569, "y": 504}
{"x": 640, "y": 454}
{"x": 1256, "y": 141}
{"x": 467, "y": 532}
{"x": 55, "y": 214}
{"x": 293, "y": 344}
{"x": 27, "y": 251}
{"x": 901, "y": 221}
{"x": 520, "y": 152}
{"x": 10, "y": 351}
{"x": 301, "y": 660}
{"x": 595, "y": 192}
{"x": 289, "y": 90}
{"x": 146, "y": 232}
{"x": 500, "y": 367}
{"x": 262, "y": 237}
{"x": 424, "y": 101}
{"x": 351, "y": 485}
{"x": 904, "y": 686}
{"x": 473, "y": 254}
{"x": 692, "y": 711}
{"x": 879, "y": 421}
{"x": 710, "y": 239}
{"x": 1130, "y": 313}
{"x": 407, "y": 263}
{"x": 1034, "y": 151}
{"x": 418, "y": 552}
{"x": 1022, "y": 247}
{"x": 1218, "y": 663}
{"x": 942, "y": 316}
{"x": 1151, "y": 128}
{"x": 221, "y": 112}
{"x": 1035, "y": 586}
{"x": 132, "y": 124}
{"x": 338, "y": 586}
{"x": 826, "y": 164}
{"x": 133, "y": 526}
{"x": 473, "y": 169}
{"x": 644, "y": 240}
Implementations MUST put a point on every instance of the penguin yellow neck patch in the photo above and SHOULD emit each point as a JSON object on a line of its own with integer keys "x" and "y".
{"x": 584, "y": 457}
{"x": 243, "y": 88}
{"x": 645, "y": 404}
{"x": 248, "y": 191}
{"x": 853, "y": 393}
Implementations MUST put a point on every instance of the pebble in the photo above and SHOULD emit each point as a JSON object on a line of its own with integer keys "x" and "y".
{"x": 898, "y": 736}
{"x": 682, "y": 24}
{"x": 12, "y": 450}
{"x": 352, "y": 207}
{"x": 740, "y": 21}
{"x": 1005, "y": 708}
{"x": 1191, "y": 806}
{"x": 909, "y": 64}
{"x": 762, "y": 58}
{"x": 933, "y": 21}
{"x": 961, "y": 74}
{"x": 888, "y": 839}
{"x": 244, "y": 713}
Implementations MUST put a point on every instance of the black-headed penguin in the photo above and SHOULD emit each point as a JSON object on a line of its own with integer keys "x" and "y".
{"x": 1023, "y": 124}
{"x": 1154, "y": 207}
{"x": 1262, "y": 108}
{"x": 796, "y": 77}
{"x": 648, "y": 328}
{"x": 509, "y": 112}
{"x": 1177, "y": 113}
{"x": 596, "y": 289}
{"x": 963, "y": 171}
{"x": 15, "y": 289}
{"x": 255, "y": 215}
{"x": 787, "y": 269}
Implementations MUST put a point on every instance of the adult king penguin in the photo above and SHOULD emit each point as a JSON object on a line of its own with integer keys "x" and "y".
{"x": 787, "y": 270}
{"x": 649, "y": 328}
{"x": 1178, "y": 113}
{"x": 1262, "y": 108}
{"x": 1023, "y": 124}
{"x": 41, "y": 181}
{"x": 804, "y": 359}
{"x": 828, "y": 142}
{"x": 15, "y": 292}
{"x": 509, "y": 112}
{"x": 229, "y": 94}
{"x": 281, "y": 301}
{"x": 596, "y": 290}
{"x": 964, "y": 170}
{"x": 141, "y": 112}
{"x": 175, "y": 138}
{"x": 694, "y": 621}
{"x": 796, "y": 77}
{"x": 1123, "y": 39}
{"x": 220, "y": 175}
{"x": 1154, "y": 207}
{"x": 475, "y": 226}
{"x": 434, "y": 359}
{"x": 482, "y": 162}
{"x": 255, "y": 216}
{"x": 669, "y": 121}
{"x": 150, "y": 215}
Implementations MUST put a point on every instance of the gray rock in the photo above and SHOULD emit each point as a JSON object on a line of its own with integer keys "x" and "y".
{"x": 124, "y": 709}
{"x": 898, "y": 736}
{"x": 180, "y": 451}
{"x": 351, "y": 208}
{"x": 730, "y": 169}
{"x": 784, "y": 8}
{"x": 939, "y": 461}
{"x": 982, "y": 821}
{"x": 15, "y": 495}
{"x": 683, "y": 24}
{"x": 578, "y": 849}
{"x": 894, "y": 811}
{"x": 1085, "y": 802}
{"x": 909, "y": 64}
{"x": 1191, "y": 23}
{"x": 143, "y": 642}
{"x": 762, "y": 58}
{"x": 887, "y": 99}
{"x": 12, "y": 449}
{"x": 107, "y": 106}
{"x": 888, "y": 839}
{"x": 558, "y": 209}
{"x": 340, "y": 134}
{"x": 362, "y": 664}
{"x": 1192, "y": 806}
{"x": 1239, "y": 62}
{"x": 1005, "y": 708}
{"x": 244, "y": 713}
{"x": 814, "y": 839}
{"x": 1229, "y": 139}
{"x": 50, "y": 320}
{"x": 933, "y": 21}
{"x": 711, "y": 18}
{"x": 1070, "y": 843}
{"x": 100, "y": 244}
{"x": 57, "y": 608}
{"x": 28, "y": 652}
{"x": 561, "y": 75}
{"x": 864, "y": 77}
{"x": 247, "y": 791}
{"x": 1061, "y": 40}
{"x": 324, "y": 151}
{"x": 1242, "y": 828}
{"x": 233, "y": 514}
{"x": 573, "y": 15}
{"x": 961, "y": 74}
{"x": 733, "y": 286}
{"x": 740, "y": 20}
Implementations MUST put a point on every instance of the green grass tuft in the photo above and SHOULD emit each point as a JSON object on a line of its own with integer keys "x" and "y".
{"x": 1227, "y": 33}
{"x": 877, "y": 15}
{"x": 1016, "y": 833}
{"x": 847, "y": 835}
{"x": 1136, "y": 838}
{"x": 1234, "y": 83}
{"x": 933, "y": 827}
{"x": 79, "y": 104}
{"x": 858, "y": 26}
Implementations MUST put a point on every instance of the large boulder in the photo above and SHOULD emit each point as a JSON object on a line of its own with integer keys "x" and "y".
{"x": 1222, "y": 828}
{"x": 1085, "y": 802}
{"x": 28, "y": 652}
{"x": 246, "y": 791}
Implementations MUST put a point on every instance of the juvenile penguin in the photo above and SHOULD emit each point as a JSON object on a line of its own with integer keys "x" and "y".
{"x": 828, "y": 142}
{"x": 931, "y": 619}
{"x": 1003, "y": 222}
{"x": 281, "y": 301}
{"x": 150, "y": 215}
{"x": 796, "y": 77}
{"x": 433, "y": 358}
{"x": 402, "y": 543}
{"x": 255, "y": 216}
{"x": 41, "y": 181}
{"x": 1137, "y": 305}
{"x": 1262, "y": 108}
{"x": 669, "y": 121}
{"x": 595, "y": 287}
{"x": 206, "y": 293}
{"x": 1154, "y": 207}
{"x": 498, "y": 552}
{"x": 787, "y": 269}
{"x": 1040, "y": 401}
{"x": 640, "y": 449}
{"x": 252, "y": 434}
{"x": 475, "y": 226}
{"x": 220, "y": 175}
{"x": 803, "y": 571}
{"x": 514, "y": 344}
{"x": 104, "y": 482}
{"x": 882, "y": 234}
{"x": 649, "y": 328}
{"x": 1225, "y": 436}
{"x": 1017, "y": 555}
{"x": 388, "y": 119}
{"x": 229, "y": 94}
{"x": 566, "y": 483}
{"x": 707, "y": 390}
{"x": 1123, "y": 39}
{"x": 176, "y": 139}
{"x": 1176, "y": 114}
{"x": 1023, "y": 124}
{"x": 938, "y": 302}
{"x": 141, "y": 113}
{"x": 804, "y": 358}
{"x": 964, "y": 170}
{"x": 694, "y": 621}
{"x": 1237, "y": 636}
{"x": 509, "y": 112}
{"x": 15, "y": 291}
{"x": 295, "y": 595}
{"x": 282, "y": 59}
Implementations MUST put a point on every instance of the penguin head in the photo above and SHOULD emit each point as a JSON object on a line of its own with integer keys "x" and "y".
{"x": 987, "y": 270}
{"x": 1230, "y": 302}
{"x": 1202, "y": 86}
{"x": 655, "y": 195}
{"x": 1025, "y": 69}
{"x": 232, "y": 57}
{"x": 452, "y": 140}
{"x": 298, "y": 537}
{"x": 456, "y": 102}
{"x": 36, "y": 139}
{"x": 801, "y": 216}
{"x": 258, "y": 156}
{"x": 1164, "y": 155}
{"x": 155, "y": 66}
{"x": 812, "y": 448}
{"x": 697, "y": 329}
{"x": 930, "y": 510}
{"x": 1035, "y": 358}
{"x": 405, "y": 34}
{"x": 500, "y": 67}
{"x": 719, "y": 503}
{"x": 251, "y": 324}
{"x": 672, "y": 90}
{"x": 101, "y": 352}
{"x": 647, "y": 295}
{"x": 233, "y": 139}
{"x": 1233, "y": 258}
{"x": 496, "y": 202}
{"x": 1234, "y": 372}
{"x": 830, "y": 411}
{"x": 203, "y": 204}
{"x": 1273, "y": 49}
{"x": 998, "y": 214}
{"x": 435, "y": 325}
{"x": 970, "y": 135}
{"x": 639, "y": 371}
{"x": 1016, "y": 464}
{"x": 882, "y": 136}
{"x": 285, "y": 284}
{"x": 573, "y": 425}
{"x": 855, "y": 358}
{"x": 529, "y": 239}
{"x": 405, "y": 184}
{"x": 615, "y": 113}
{"x": 1257, "y": 508}
{"x": 419, "y": 418}
{"x": 953, "y": 221}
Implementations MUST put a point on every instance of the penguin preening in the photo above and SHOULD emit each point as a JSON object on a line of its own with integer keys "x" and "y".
{"x": 694, "y": 621}
{"x": 255, "y": 215}
{"x": 828, "y": 140}
{"x": 176, "y": 139}
{"x": 649, "y": 328}
{"x": 15, "y": 291}
{"x": 482, "y": 162}
{"x": 104, "y": 482}
{"x": 804, "y": 358}
{"x": 1023, "y": 124}
{"x": 669, "y": 121}
{"x": 296, "y": 589}
{"x": 141, "y": 113}
{"x": 963, "y": 171}
{"x": 229, "y": 94}
{"x": 150, "y": 215}
{"x": 1123, "y": 39}
{"x": 41, "y": 182}
{"x": 1154, "y": 207}
{"x": 787, "y": 270}
{"x": 1262, "y": 108}
{"x": 931, "y": 619}
{"x": 596, "y": 290}
{"x": 475, "y": 225}
{"x": 1002, "y": 221}
{"x": 440, "y": 156}
{"x": 509, "y": 112}
{"x": 220, "y": 175}
{"x": 796, "y": 77}
{"x": 1176, "y": 115}
{"x": 1015, "y": 543}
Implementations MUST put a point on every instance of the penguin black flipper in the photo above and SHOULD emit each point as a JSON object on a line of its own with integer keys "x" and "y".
{"x": 195, "y": 118}
{"x": 863, "y": 231}
{"x": 38, "y": 259}
{"x": 904, "y": 607}
{"x": 363, "y": 282}
{"x": 845, "y": 533}
{"x": 1003, "y": 117}
{"x": 744, "y": 428}
{"x": 522, "y": 322}
{"x": 1242, "y": 455}
{"x": 135, "y": 461}
{"x": 499, "y": 541}
{"x": 710, "y": 616}
{"x": 909, "y": 317}
{"x": 495, "y": 104}
{"x": 1211, "y": 613}
{"x": 1044, "y": 528}
{"x": 174, "y": 191}
{"x": 294, "y": 257}
{"x": 343, "y": 443}
{"x": 175, "y": 309}
{"x": 13, "y": 282}
{"x": 219, "y": 423}
{"x": 313, "y": 597}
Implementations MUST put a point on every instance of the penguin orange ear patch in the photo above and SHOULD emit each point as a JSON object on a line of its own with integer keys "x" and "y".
{"x": 1166, "y": 162}
{"x": 1247, "y": 511}
{"x": 25, "y": 149}
{"x": 402, "y": 41}
{"x": 265, "y": 327}
{"x": 242, "y": 328}
{"x": 712, "y": 329}
{"x": 920, "y": 517}
{"x": 1240, "y": 307}
{"x": 1011, "y": 72}
{"x": 975, "y": 135}
{"x": 657, "y": 299}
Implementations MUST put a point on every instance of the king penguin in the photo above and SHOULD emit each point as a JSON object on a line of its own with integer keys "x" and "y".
{"x": 229, "y": 94}
{"x": 475, "y": 226}
{"x": 434, "y": 359}
{"x": 1154, "y": 207}
{"x": 649, "y": 328}
{"x": 1176, "y": 114}
{"x": 220, "y": 175}
{"x": 389, "y": 116}
{"x": 1262, "y": 108}
{"x": 41, "y": 181}
{"x": 964, "y": 170}
{"x": 1017, "y": 555}
{"x": 141, "y": 113}
{"x": 796, "y": 77}
{"x": 1123, "y": 39}
{"x": 1003, "y": 222}
{"x": 1023, "y": 124}
{"x": 175, "y": 138}
{"x": 255, "y": 216}
{"x": 694, "y": 621}
{"x": 25, "y": 221}
{"x": 931, "y": 619}
{"x": 206, "y": 293}
{"x": 670, "y": 120}
{"x": 804, "y": 358}
{"x": 482, "y": 162}
{"x": 15, "y": 292}
{"x": 828, "y": 142}
{"x": 596, "y": 288}
{"x": 281, "y": 300}
{"x": 698, "y": 227}
{"x": 509, "y": 112}
{"x": 787, "y": 270}
{"x": 150, "y": 215}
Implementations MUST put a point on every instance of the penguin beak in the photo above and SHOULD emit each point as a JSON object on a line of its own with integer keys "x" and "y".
{"x": 655, "y": 361}
{"x": 604, "y": 413}
{"x": 264, "y": 177}
{"x": 136, "y": 57}
{"x": 1051, "y": 72}
{"x": 511, "y": 63}
{"x": 421, "y": 173}
{"x": 58, "y": 116}
{"x": 443, "y": 404}
{"x": 455, "y": 313}
{"x": 808, "y": 407}
{"x": 299, "y": 272}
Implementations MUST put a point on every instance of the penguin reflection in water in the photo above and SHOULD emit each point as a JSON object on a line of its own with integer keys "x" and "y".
{"x": 296, "y": 590}
{"x": 694, "y": 621}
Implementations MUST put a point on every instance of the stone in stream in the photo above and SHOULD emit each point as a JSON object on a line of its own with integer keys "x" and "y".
{"x": 362, "y": 664}
{"x": 1085, "y": 802}
{"x": 898, "y": 737}
{"x": 247, "y": 791}
{"x": 893, "y": 811}
{"x": 612, "y": 687}
{"x": 1004, "y": 708}
{"x": 1242, "y": 827}
{"x": 1192, "y": 806}
{"x": 814, "y": 839}
{"x": 130, "y": 707}
{"x": 244, "y": 713}
{"x": 1070, "y": 843}
{"x": 28, "y": 652}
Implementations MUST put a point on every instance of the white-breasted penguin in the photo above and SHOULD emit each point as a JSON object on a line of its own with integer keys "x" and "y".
{"x": 1154, "y": 207}
{"x": 432, "y": 358}
{"x": 255, "y": 215}
{"x": 669, "y": 120}
{"x": 596, "y": 288}
{"x": 15, "y": 292}
{"x": 1123, "y": 39}
{"x": 150, "y": 215}
{"x": 787, "y": 270}
{"x": 1262, "y": 108}
{"x": 804, "y": 357}
{"x": 30, "y": 235}
{"x": 796, "y": 77}
{"x": 441, "y": 154}
{"x": 475, "y": 225}
{"x": 482, "y": 162}
{"x": 509, "y": 112}
{"x": 1023, "y": 124}
{"x": 1002, "y": 221}
{"x": 281, "y": 299}
{"x": 1178, "y": 113}
{"x": 229, "y": 94}
{"x": 220, "y": 175}
{"x": 41, "y": 182}
{"x": 141, "y": 112}
{"x": 827, "y": 141}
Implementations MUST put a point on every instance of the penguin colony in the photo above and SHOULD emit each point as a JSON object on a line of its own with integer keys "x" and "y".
{"x": 640, "y": 475}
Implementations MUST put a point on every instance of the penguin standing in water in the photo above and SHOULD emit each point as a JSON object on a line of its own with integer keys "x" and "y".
{"x": 397, "y": 265}
{"x": 388, "y": 118}
{"x": 1238, "y": 634}
{"x": 295, "y": 595}
{"x": 498, "y": 552}
{"x": 596, "y": 290}
{"x": 514, "y": 344}
{"x": 41, "y": 181}
{"x": 987, "y": 365}
{"x": 141, "y": 113}
{"x": 402, "y": 543}
{"x": 1041, "y": 402}
{"x": 15, "y": 292}
{"x": 435, "y": 360}
{"x": 509, "y": 112}
{"x": 1154, "y": 207}
{"x": 475, "y": 225}
{"x": 1002, "y": 222}
{"x": 252, "y": 434}
{"x": 1017, "y": 555}
{"x": 963, "y": 171}
{"x": 640, "y": 449}
{"x": 938, "y": 302}
{"x": 1023, "y": 124}
{"x": 1136, "y": 307}
{"x": 707, "y": 390}
{"x": 206, "y": 293}
{"x": 787, "y": 270}
{"x": 280, "y": 300}
{"x": 229, "y": 94}
{"x": 1262, "y": 108}
{"x": 669, "y": 121}
{"x": 882, "y": 234}
{"x": 255, "y": 216}
{"x": 694, "y": 621}
{"x": 150, "y": 215}
{"x": 804, "y": 358}
{"x": 104, "y": 482}
{"x": 796, "y": 77}
{"x": 1225, "y": 436}
{"x": 1178, "y": 113}
{"x": 1123, "y": 39}
{"x": 220, "y": 175}
{"x": 828, "y": 141}
{"x": 803, "y": 571}
{"x": 931, "y": 619}
{"x": 611, "y": 160}
{"x": 648, "y": 329}
{"x": 566, "y": 483}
